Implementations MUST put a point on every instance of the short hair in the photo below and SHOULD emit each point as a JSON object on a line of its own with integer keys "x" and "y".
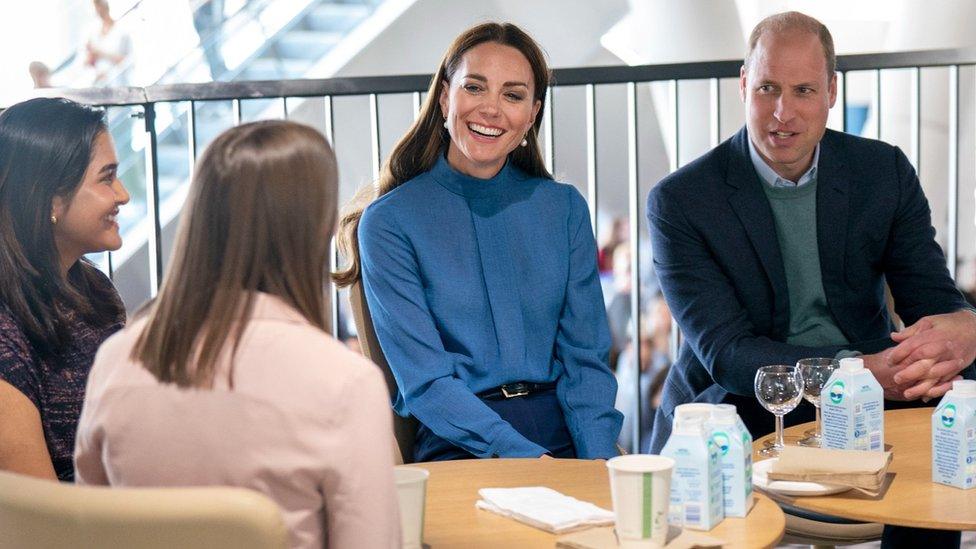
{"x": 793, "y": 21}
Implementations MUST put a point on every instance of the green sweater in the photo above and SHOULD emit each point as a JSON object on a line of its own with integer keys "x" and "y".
{"x": 795, "y": 213}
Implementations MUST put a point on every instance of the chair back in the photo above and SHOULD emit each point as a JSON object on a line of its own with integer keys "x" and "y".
{"x": 404, "y": 428}
{"x": 45, "y": 514}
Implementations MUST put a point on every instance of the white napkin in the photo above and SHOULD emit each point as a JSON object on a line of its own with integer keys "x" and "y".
{"x": 543, "y": 508}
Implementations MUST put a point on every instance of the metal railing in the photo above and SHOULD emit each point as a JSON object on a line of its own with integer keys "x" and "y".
{"x": 590, "y": 79}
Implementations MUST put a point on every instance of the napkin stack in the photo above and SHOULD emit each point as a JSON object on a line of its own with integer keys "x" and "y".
{"x": 543, "y": 508}
{"x": 858, "y": 469}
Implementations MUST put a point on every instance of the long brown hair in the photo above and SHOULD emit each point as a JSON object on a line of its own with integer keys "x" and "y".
{"x": 46, "y": 145}
{"x": 418, "y": 150}
{"x": 259, "y": 217}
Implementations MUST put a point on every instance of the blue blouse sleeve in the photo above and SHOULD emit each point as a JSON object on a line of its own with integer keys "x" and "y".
{"x": 587, "y": 388}
{"x": 407, "y": 332}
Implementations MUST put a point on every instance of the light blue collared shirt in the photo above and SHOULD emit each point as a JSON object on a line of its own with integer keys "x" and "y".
{"x": 771, "y": 178}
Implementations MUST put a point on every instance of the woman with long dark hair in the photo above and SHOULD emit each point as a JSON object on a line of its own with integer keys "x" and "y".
{"x": 59, "y": 197}
{"x": 229, "y": 376}
{"x": 480, "y": 270}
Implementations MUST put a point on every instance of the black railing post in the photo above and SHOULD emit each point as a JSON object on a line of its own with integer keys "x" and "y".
{"x": 152, "y": 198}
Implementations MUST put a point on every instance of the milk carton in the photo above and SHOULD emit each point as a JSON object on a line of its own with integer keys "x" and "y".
{"x": 954, "y": 437}
{"x": 734, "y": 445}
{"x": 852, "y": 404}
{"x": 696, "y": 482}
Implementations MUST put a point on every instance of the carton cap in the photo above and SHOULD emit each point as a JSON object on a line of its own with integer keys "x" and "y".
{"x": 693, "y": 409}
{"x": 852, "y": 364}
{"x": 724, "y": 413}
{"x": 964, "y": 387}
{"x": 689, "y": 424}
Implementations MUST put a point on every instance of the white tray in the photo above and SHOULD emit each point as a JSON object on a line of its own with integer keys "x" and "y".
{"x": 760, "y": 469}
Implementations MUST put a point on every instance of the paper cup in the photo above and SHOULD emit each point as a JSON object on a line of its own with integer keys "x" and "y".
{"x": 411, "y": 486}
{"x": 640, "y": 486}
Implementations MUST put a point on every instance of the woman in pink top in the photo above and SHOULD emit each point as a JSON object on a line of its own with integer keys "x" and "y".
{"x": 229, "y": 377}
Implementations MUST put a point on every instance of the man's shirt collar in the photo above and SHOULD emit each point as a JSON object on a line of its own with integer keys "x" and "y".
{"x": 771, "y": 178}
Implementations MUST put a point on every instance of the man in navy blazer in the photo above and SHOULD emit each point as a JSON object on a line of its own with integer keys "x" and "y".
{"x": 755, "y": 278}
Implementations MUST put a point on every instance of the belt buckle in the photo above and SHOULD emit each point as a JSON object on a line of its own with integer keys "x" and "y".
{"x": 515, "y": 390}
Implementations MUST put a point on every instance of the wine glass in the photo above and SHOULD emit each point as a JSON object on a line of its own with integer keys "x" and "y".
{"x": 779, "y": 389}
{"x": 815, "y": 373}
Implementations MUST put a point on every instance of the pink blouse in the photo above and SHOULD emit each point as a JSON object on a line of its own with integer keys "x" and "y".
{"x": 307, "y": 423}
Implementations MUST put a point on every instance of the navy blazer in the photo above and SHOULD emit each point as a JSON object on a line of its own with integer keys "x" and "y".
{"x": 718, "y": 260}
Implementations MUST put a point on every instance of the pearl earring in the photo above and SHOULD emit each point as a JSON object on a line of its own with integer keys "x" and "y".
{"x": 54, "y": 219}
{"x": 525, "y": 142}
{"x": 445, "y": 122}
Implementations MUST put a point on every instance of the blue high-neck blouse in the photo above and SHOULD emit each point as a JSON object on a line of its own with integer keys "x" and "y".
{"x": 475, "y": 283}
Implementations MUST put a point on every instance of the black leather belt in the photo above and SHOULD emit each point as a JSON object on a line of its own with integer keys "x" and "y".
{"x": 517, "y": 389}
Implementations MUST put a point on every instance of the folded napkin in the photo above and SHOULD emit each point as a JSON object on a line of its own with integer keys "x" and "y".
{"x": 604, "y": 538}
{"x": 543, "y": 508}
{"x": 858, "y": 469}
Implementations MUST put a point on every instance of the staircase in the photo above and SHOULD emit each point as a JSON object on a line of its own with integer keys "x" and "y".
{"x": 284, "y": 43}
{"x": 306, "y": 40}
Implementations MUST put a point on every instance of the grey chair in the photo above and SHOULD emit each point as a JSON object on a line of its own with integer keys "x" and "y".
{"x": 822, "y": 531}
{"x": 404, "y": 428}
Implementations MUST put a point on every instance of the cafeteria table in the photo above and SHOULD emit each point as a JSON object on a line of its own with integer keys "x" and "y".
{"x": 451, "y": 519}
{"x": 911, "y": 498}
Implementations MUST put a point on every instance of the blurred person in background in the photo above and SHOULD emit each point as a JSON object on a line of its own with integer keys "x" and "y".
{"x": 229, "y": 377}
{"x": 208, "y": 17}
{"x": 618, "y": 304}
{"x": 59, "y": 198}
{"x": 969, "y": 289}
{"x": 108, "y": 48}
{"x": 40, "y": 74}
{"x": 619, "y": 234}
{"x": 654, "y": 364}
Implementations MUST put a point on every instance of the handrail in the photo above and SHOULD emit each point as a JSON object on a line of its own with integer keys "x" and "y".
{"x": 362, "y": 85}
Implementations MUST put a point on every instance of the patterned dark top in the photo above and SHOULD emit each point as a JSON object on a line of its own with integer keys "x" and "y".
{"x": 56, "y": 386}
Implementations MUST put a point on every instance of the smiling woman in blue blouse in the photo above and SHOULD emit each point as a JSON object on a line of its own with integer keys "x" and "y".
{"x": 480, "y": 270}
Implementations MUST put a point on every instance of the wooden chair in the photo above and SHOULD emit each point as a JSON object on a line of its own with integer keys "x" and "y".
{"x": 44, "y": 514}
{"x": 404, "y": 428}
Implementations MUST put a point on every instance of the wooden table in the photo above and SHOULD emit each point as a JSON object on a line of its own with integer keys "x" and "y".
{"x": 453, "y": 521}
{"x": 912, "y": 499}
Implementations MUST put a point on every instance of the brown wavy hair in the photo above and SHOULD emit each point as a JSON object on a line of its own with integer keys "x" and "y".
{"x": 418, "y": 150}
{"x": 259, "y": 217}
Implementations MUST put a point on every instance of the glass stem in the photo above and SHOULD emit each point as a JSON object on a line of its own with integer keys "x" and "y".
{"x": 817, "y": 428}
{"x": 779, "y": 431}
